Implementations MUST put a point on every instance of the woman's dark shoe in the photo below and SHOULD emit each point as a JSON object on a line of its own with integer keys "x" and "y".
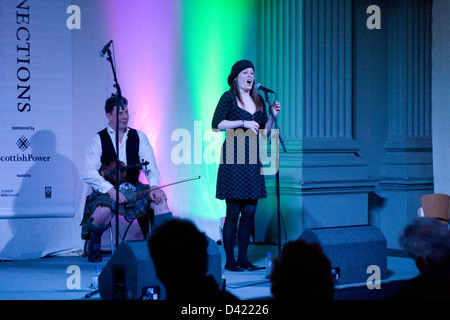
{"x": 233, "y": 267}
{"x": 247, "y": 265}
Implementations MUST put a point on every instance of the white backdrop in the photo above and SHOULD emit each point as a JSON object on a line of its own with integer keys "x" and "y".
{"x": 36, "y": 122}
{"x": 36, "y": 168}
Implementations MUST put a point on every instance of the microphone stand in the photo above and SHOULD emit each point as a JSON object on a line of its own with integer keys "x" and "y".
{"x": 119, "y": 102}
{"x": 277, "y": 174}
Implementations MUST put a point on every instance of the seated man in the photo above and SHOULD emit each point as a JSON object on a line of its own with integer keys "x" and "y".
{"x": 134, "y": 149}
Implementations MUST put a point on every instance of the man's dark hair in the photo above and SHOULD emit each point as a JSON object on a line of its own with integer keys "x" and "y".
{"x": 112, "y": 101}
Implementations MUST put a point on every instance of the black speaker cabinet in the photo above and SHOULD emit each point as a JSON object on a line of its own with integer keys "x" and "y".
{"x": 352, "y": 250}
{"x": 131, "y": 269}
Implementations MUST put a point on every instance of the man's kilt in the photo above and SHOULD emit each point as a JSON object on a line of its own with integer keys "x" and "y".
{"x": 138, "y": 205}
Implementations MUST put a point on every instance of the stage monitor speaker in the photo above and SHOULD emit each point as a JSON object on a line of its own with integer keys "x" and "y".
{"x": 131, "y": 269}
{"x": 351, "y": 250}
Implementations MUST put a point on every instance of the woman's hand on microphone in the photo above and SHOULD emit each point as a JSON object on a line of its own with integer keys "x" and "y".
{"x": 276, "y": 107}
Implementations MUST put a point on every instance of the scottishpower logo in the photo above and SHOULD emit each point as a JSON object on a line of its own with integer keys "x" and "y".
{"x": 23, "y": 144}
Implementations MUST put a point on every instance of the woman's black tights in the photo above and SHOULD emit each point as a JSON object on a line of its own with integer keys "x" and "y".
{"x": 247, "y": 209}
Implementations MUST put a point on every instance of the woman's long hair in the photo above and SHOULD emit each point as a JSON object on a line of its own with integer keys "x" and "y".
{"x": 253, "y": 94}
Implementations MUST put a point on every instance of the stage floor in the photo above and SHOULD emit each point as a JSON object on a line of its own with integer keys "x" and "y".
{"x": 46, "y": 278}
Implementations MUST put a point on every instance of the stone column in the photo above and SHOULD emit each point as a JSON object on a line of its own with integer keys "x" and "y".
{"x": 305, "y": 55}
{"x": 407, "y": 167}
{"x": 335, "y": 183}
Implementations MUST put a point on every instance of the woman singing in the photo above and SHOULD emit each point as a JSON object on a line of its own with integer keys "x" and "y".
{"x": 241, "y": 113}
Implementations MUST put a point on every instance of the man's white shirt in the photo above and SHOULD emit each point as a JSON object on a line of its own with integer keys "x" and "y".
{"x": 92, "y": 163}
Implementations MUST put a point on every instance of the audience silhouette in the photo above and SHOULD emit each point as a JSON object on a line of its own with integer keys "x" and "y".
{"x": 179, "y": 253}
{"x": 427, "y": 241}
{"x": 302, "y": 271}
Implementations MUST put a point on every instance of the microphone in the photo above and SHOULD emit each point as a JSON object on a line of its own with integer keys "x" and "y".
{"x": 258, "y": 86}
{"x": 105, "y": 48}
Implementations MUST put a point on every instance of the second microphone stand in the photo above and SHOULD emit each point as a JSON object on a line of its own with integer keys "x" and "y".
{"x": 277, "y": 174}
